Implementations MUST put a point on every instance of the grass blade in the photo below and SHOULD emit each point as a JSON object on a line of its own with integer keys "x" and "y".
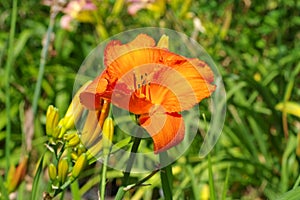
{"x": 44, "y": 54}
{"x": 226, "y": 184}
{"x": 9, "y": 63}
{"x": 211, "y": 179}
{"x": 290, "y": 195}
{"x": 75, "y": 190}
{"x": 166, "y": 176}
{"x": 3, "y": 190}
{"x": 35, "y": 185}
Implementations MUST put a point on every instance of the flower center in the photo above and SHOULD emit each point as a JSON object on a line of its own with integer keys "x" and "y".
{"x": 141, "y": 84}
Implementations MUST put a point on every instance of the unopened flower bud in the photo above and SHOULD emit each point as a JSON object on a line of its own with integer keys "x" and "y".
{"x": 51, "y": 120}
{"x": 56, "y": 132}
{"x": 81, "y": 149}
{"x": 73, "y": 141}
{"x": 16, "y": 175}
{"x": 66, "y": 123}
{"x": 74, "y": 156}
{"x": 69, "y": 135}
{"x": 52, "y": 171}
{"x": 204, "y": 193}
{"x": 79, "y": 165}
{"x": 163, "y": 42}
{"x": 108, "y": 132}
{"x": 63, "y": 167}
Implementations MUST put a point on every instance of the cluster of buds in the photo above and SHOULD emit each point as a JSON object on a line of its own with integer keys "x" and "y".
{"x": 63, "y": 174}
{"x": 74, "y": 150}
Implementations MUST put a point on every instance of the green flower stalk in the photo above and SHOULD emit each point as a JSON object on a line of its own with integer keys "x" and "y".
{"x": 107, "y": 136}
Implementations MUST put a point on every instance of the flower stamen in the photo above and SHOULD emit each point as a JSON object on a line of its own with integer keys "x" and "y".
{"x": 141, "y": 85}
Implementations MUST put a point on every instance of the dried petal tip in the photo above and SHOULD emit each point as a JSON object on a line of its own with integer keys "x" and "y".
{"x": 16, "y": 175}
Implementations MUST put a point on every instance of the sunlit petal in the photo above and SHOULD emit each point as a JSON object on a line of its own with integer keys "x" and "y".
{"x": 166, "y": 129}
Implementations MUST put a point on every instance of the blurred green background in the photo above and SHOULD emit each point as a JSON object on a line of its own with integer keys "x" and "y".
{"x": 255, "y": 44}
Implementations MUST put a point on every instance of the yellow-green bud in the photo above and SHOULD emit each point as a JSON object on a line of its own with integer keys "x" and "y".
{"x": 74, "y": 141}
{"x": 204, "y": 192}
{"x": 69, "y": 135}
{"x": 79, "y": 165}
{"x": 63, "y": 168}
{"x": 56, "y": 132}
{"x": 66, "y": 123}
{"x": 52, "y": 172}
{"x": 51, "y": 120}
{"x": 108, "y": 132}
{"x": 81, "y": 149}
{"x": 163, "y": 42}
{"x": 74, "y": 156}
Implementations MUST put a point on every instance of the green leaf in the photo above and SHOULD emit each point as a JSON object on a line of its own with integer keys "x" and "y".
{"x": 36, "y": 181}
{"x": 166, "y": 176}
{"x": 290, "y": 195}
{"x": 211, "y": 179}
{"x": 21, "y": 42}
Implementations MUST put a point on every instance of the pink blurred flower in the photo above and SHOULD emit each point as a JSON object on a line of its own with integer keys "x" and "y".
{"x": 75, "y": 10}
{"x": 136, "y": 5}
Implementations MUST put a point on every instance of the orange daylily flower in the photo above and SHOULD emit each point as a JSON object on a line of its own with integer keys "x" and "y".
{"x": 153, "y": 83}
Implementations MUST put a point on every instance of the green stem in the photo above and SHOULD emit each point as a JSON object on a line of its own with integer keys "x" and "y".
{"x": 3, "y": 189}
{"x": 141, "y": 182}
{"x": 103, "y": 176}
{"x": 103, "y": 179}
{"x": 130, "y": 162}
{"x": 121, "y": 192}
{"x": 211, "y": 179}
{"x": 8, "y": 67}
{"x": 166, "y": 176}
{"x": 36, "y": 180}
{"x": 44, "y": 54}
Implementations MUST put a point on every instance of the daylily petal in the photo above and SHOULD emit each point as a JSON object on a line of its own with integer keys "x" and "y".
{"x": 115, "y": 48}
{"x": 97, "y": 89}
{"x": 166, "y": 129}
{"x": 182, "y": 86}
